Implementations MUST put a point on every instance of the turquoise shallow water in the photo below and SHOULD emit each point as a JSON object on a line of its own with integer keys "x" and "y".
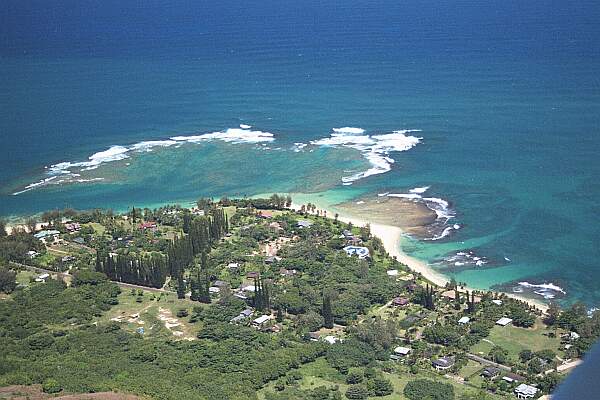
{"x": 508, "y": 104}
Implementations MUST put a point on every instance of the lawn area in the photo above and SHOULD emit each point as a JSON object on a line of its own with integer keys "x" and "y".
{"x": 147, "y": 314}
{"x": 515, "y": 339}
{"x": 24, "y": 276}
{"x": 319, "y": 373}
{"x": 471, "y": 368}
{"x": 98, "y": 228}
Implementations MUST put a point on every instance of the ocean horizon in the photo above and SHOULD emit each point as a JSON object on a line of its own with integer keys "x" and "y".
{"x": 492, "y": 121}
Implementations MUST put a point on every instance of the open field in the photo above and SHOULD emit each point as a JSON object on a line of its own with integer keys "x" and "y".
{"x": 514, "y": 339}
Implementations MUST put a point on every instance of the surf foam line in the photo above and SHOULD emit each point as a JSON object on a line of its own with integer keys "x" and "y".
{"x": 376, "y": 149}
{"x": 440, "y": 207}
{"x": 63, "y": 172}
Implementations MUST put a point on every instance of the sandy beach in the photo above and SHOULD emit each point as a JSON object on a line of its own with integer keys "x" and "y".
{"x": 391, "y": 236}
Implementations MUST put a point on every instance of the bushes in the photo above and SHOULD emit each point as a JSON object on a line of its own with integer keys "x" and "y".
{"x": 427, "y": 389}
{"x": 357, "y": 392}
{"x": 51, "y": 386}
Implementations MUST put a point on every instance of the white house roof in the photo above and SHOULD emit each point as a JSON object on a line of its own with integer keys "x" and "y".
{"x": 262, "y": 319}
{"x": 249, "y": 288}
{"x": 464, "y": 320}
{"x": 402, "y": 350}
{"x": 498, "y": 302}
{"x": 214, "y": 289}
{"x": 504, "y": 321}
{"x": 44, "y": 276}
{"x": 526, "y": 390}
{"x": 574, "y": 336}
{"x": 392, "y": 272}
{"x": 330, "y": 339}
{"x": 361, "y": 252}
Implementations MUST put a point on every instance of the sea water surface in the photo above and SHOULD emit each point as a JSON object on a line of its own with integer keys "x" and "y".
{"x": 494, "y": 107}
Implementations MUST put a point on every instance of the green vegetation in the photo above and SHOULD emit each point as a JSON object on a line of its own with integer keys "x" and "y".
{"x": 244, "y": 299}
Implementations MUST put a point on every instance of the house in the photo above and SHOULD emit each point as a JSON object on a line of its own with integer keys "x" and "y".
{"x": 503, "y": 321}
{"x": 68, "y": 259}
{"x": 79, "y": 240}
{"x": 220, "y": 284}
{"x": 287, "y": 272}
{"x": 272, "y": 259}
{"x": 32, "y": 254}
{"x": 400, "y": 301}
{"x": 260, "y": 321}
{"x": 361, "y": 252}
{"x": 150, "y": 225}
{"x": 247, "y": 312}
{"x": 392, "y": 273}
{"x": 44, "y": 234}
{"x": 42, "y": 278}
{"x": 331, "y": 339}
{"x": 497, "y": 302}
{"x": 314, "y": 336}
{"x": 240, "y": 296}
{"x": 490, "y": 372}
{"x": 464, "y": 320}
{"x": 274, "y": 329}
{"x": 574, "y": 336}
{"x": 401, "y": 351}
{"x": 265, "y": 214}
{"x": 444, "y": 363}
{"x": 304, "y": 224}
{"x": 241, "y": 317}
{"x": 233, "y": 266}
{"x": 73, "y": 227}
{"x": 510, "y": 377}
{"x": 214, "y": 290}
{"x": 248, "y": 288}
{"x": 252, "y": 275}
{"x": 524, "y": 391}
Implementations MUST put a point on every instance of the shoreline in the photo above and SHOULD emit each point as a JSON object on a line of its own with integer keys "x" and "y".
{"x": 390, "y": 237}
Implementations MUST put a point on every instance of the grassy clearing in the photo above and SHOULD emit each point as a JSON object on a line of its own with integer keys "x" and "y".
{"x": 319, "y": 373}
{"x": 515, "y": 339}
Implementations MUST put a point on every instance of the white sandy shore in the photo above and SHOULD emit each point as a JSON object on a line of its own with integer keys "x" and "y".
{"x": 391, "y": 236}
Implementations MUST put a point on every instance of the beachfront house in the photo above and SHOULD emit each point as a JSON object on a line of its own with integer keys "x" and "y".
{"x": 444, "y": 363}
{"x": 503, "y": 321}
{"x": 304, "y": 224}
{"x": 497, "y": 302}
{"x": 464, "y": 320}
{"x": 392, "y": 273}
{"x": 359, "y": 251}
{"x": 524, "y": 391}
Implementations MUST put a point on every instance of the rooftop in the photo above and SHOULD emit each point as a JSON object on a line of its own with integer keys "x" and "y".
{"x": 526, "y": 390}
{"x": 503, "y": 321}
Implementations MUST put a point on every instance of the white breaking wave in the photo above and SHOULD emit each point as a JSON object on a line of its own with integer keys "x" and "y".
{"x": 543, "y": 286}
{"x": 441, "y": 208}
{"x": 244, "y": 126}
{"x": 349, "y": 129}
{"x": 118, "y": 152}
{"x": 375, "y": 148}
{"x": 419, "y": 190}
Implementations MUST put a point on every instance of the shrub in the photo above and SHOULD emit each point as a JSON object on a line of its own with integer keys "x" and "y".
{"x": 357, "y": 392}
{"x": 51, "y": 386}
{"x": 428, "y": 389}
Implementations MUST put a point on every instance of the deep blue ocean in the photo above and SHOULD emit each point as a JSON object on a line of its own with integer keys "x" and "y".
{"x": 505, "y": 96}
